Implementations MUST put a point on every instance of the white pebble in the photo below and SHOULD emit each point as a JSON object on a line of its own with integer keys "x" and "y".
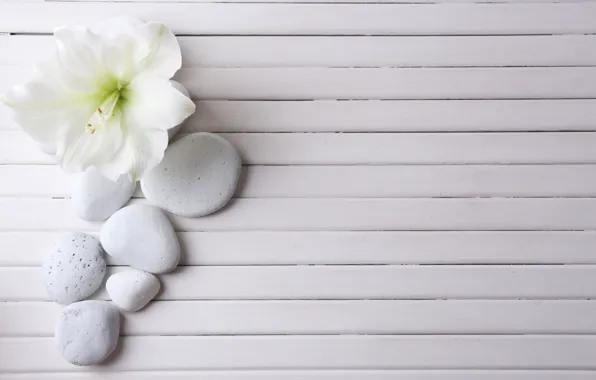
{"x": 142, "y": 237}
{"x": 198, "y": 176}
{"x": 96, "y": 197}
{"x": 131, "y": 290}
{"x": 87, "y": 332}
{"x": 74, "y": 268}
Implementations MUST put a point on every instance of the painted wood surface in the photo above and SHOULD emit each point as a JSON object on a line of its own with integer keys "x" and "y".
{"x": 418, "y": 200}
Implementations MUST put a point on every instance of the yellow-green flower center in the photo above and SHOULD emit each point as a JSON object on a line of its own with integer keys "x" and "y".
{"x": 110, "y": 99}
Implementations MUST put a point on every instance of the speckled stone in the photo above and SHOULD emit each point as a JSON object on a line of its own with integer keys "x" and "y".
{"x": 95, "y": 197}
{"x": 87, "y": 332}
{"x": 142, "y": 237}
{"x": 178, "y": 86}
{"x": 132, "y": 289}
{"x": 198, "y": 176}
{"x": 74, "y": 268}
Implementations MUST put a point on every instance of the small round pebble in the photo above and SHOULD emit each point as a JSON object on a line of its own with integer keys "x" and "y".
{"x": 96, "y": 197}
{"x": 198, "y": 176}
{"x": 87, "y": 332}
{"x": 143, "y": 237}
{"x": 178, "y": 86}
{"x": 131, "y": 290}
{"x": 74, "y": 268}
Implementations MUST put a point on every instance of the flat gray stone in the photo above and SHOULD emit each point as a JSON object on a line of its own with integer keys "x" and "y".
{"x": 142, "y": 237}
{"x": 132, "y": 289}
{"x": 74, "y": 268}
{"x": 95, "y": 197}
{"x": 198, "y": 176}
{"x": 87, "y": 332}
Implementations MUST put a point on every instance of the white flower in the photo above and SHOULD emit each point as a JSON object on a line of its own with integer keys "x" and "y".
{"x": 105, "y": 99}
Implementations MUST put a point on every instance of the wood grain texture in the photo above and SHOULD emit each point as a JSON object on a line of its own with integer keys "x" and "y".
{"x": 350, "y": 51}
{"x": 316, "y": 352}
{"x": 401, "y": 181}
{"x": 384, "y": 116}
{"x": 343, "y": 1}
{"x": 448, "y": 235}
{"x": 21, "y": 249}
{"x": 373, "y": 83}
{"x": 388, "y": 116}
{"x": 374, "y": 148}
{"x": 325, "y": 317}
{"x": 314, "y": 19}
{"x": 346, "y": 282}
{"x": 312, "y": 375}
{"x": 389, "y": 83}
{"x": 338, "y": 214}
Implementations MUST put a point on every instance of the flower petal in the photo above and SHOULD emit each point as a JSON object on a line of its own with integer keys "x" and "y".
{"x": 141, "y": 151}
{"x": 153, "y": 103}
{"x": 80, "y": 148}
{"x": 158, "y": 50}
{"x": 42, "y": 111}
{"x": 78, "y": 52}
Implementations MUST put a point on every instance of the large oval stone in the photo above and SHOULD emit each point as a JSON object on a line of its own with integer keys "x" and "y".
{"x": 142, "y": 237}
{"x": 198, "y": 176}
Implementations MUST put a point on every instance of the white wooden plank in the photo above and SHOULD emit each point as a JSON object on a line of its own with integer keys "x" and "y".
{"x": 345, "y": 282}
{"x": 374, "y": 148}
{"x": 325, "y": 317}
{"x": 312, "y": 375}
{"x": 388, "y": 116}
{"x": 316, "y": 352}
{"x": 314, "y": 19}
{"x": 384, "y": 116}
{"x": 351, "y": 51}
{"x": 389, "y": 83}
{"x": 342, "y": 1}
{"x": 371, "y": 247}
{"x": 338, "y": 214}
{"x": 374, "y": 83}
{"x": 409, "y": 181}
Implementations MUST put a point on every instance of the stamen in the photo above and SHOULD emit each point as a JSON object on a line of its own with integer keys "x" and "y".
{"x": 103, "y": 113}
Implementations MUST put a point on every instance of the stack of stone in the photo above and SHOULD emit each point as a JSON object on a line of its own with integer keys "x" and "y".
{"x": 198, "y": 176}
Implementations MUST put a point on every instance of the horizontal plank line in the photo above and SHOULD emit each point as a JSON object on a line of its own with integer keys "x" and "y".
{"x": 290, "y": 248}
{"x": 384, "y": 282}
{"x": 337, "y": 1}
{"x": 338, "y": 214}
{"x": 378, "y": 149}
{"x": 385, "y": 116}
{"x": 377, "y": 83}
{"x": 327, "y": 352}
{"x": 313, "y": 375}
{"x": 442, "y": 181}
{"x": 325, "y": 318}
{"x": 368, "y": 19}
{"x": 378, "y": 116}
{"x": 365, "y": 51}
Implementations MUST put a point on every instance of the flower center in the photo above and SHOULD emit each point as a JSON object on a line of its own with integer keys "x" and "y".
{"x": 107, "y": 108}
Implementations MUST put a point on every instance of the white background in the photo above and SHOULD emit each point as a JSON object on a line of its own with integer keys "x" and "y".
{"x": 417, "y": 201}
